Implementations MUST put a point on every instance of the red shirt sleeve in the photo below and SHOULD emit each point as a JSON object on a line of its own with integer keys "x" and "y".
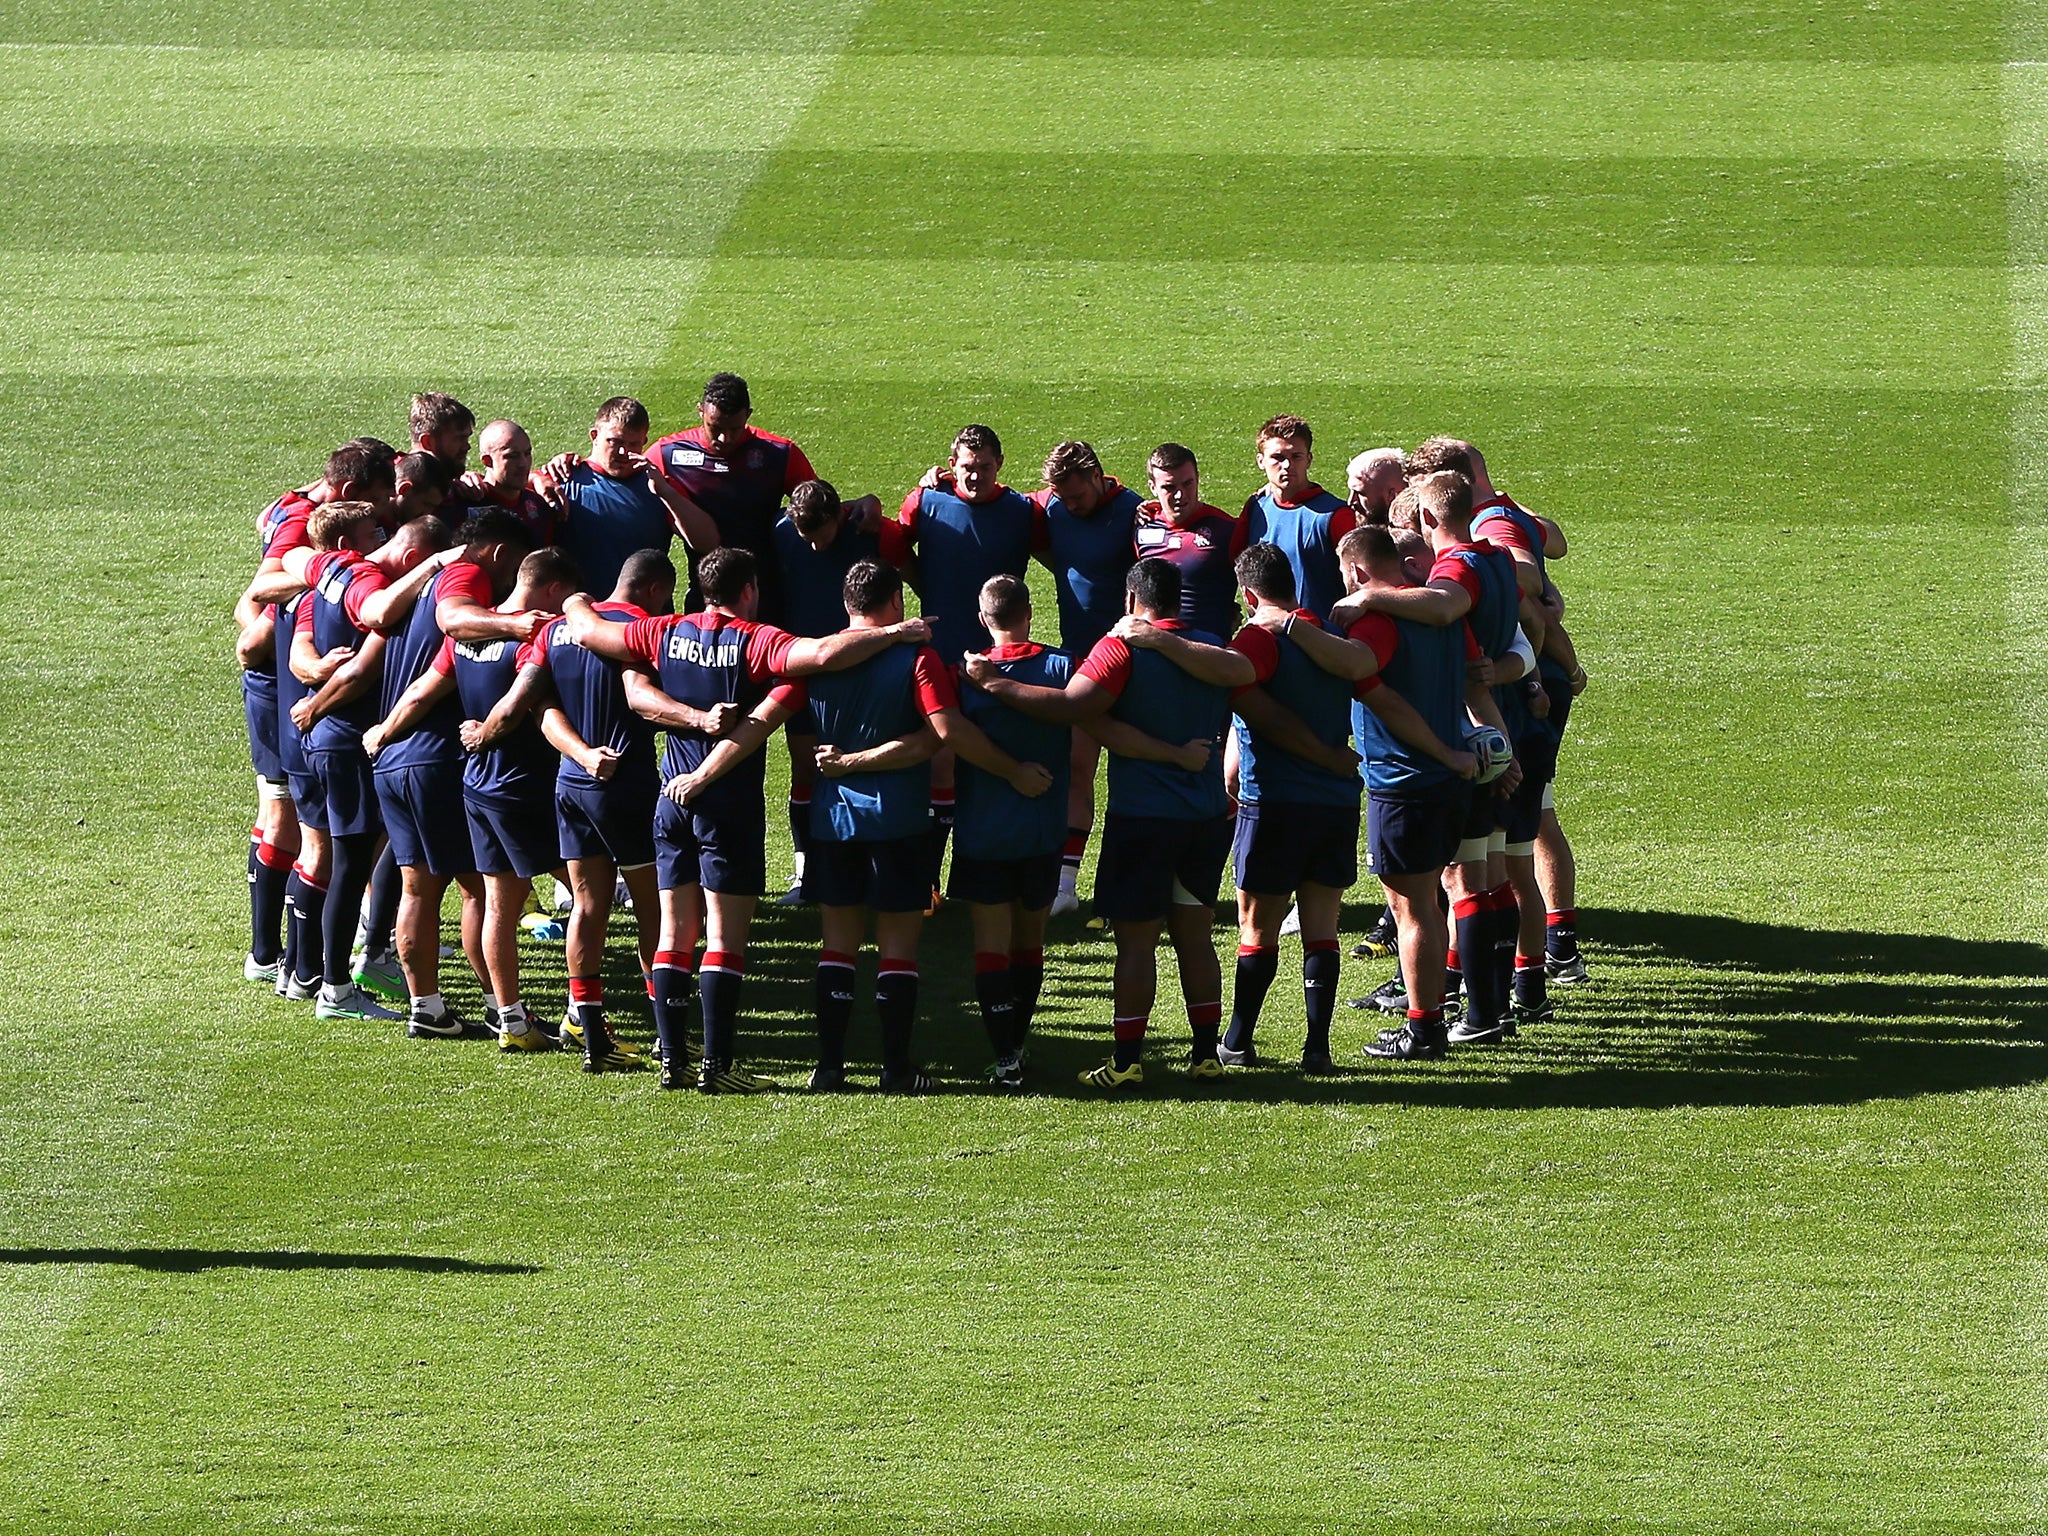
{"x": 644, "y": 637}
{"x": 768, "y": 651}
{"x": 1342, "y": 521}
{"x": 1258, "y": 647}
{"x": 934, "y": 683}
{"x": 1377, "y": 631}
{"x": 465, "y": 578}
{"x": 364, "y": 582}
{"x": 1109, "y": 665}
{"x": 302, "y": 618}
{"x": 1451, "y": 568}
{"x": 291, "y": 534}
{"x": 1041, "y": 530}
{"x": 534, "y": 652}
{"x": 1240, "y": 532}
{"x": 1509, "y": 534}
{"x": 797, "y": 471}
{"x": 1473, "y": 650}
{"x": 893, "y": 540}
{"x": 444, "y": 658}
{"x": 907, "y": 516}
{"x": 792, "y": 696}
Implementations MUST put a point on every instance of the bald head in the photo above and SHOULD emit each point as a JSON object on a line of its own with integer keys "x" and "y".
{"x": 506, "y": 454}
{"x": 1376, "y": 477}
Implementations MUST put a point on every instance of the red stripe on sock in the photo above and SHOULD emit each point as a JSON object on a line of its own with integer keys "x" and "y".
{"x": 800, "y": 797}
{"x": 834, "y": 957}
{"x": 1317, "y": 946}
{"x": 896, "y": 968}
{"x": 1524, "y": 963}
{"x": 270, "y": 856}
{"x": 942, "y": 797}
{"x": 1451, "y": 958}
{"x": 1129, "y": 1029}
{"x": 724, "y": 960}
{"x": 672, "y": 959}
{"x": 586, "y": 989}
{"x": 1425, "y": 1015}
{"x": 1027, "y": 957}
{"x": 1469, "y": 906}
{"x": 987, "y": 960}
{"x": 318, "y": 885}
{"x": 1258, "y": 949}
{"x": 1560, "y": 917}
{"x": 1200, "y": 1014}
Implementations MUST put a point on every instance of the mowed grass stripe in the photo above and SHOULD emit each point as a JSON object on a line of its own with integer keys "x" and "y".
{"x": 1023, "y": 104}
{"x": 681, "y": 204}
{"x": 1503, "y": 29}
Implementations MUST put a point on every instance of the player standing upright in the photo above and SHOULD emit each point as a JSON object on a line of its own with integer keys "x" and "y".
{"x": 1293, "y": 512}
{"x": 504, "y": 478}
{"x": 614, "y": 503}
{"x": 1089, "y": 522}
{"x": 443, "y": 426}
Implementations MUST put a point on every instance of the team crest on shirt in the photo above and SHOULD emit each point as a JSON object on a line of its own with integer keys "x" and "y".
{"x": 757, "y": 458}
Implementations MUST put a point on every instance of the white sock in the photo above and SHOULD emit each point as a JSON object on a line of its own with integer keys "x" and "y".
{"x": 1068, "y": 876}
{"x": 799, "y": 868}
{"x": 512, "y": 1018}
{"x": 491, "y": 1001}
{"x": 332, "y": 992}
{"x": 431, "y": 1005}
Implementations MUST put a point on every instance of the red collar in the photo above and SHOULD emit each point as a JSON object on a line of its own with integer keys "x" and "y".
{"x": 1308, "y": 496}
{"x": 1014, "y": 652}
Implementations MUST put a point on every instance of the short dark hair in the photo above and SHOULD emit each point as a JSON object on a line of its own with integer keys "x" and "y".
{"x": 1446, "y": 495}
{"x": 648, "y": 569}
{"x": 624, "y": 412}
{"x": 727, "y": 392}
{"x": 1434, "y": 454}
{"x": 1071, "y": 458}
{"x": 1368, "y": 545}
{"x": 724, "y": 575}
{"x": 436, "y": 412}
{"x": 1168, "y": 457}
{"x": 1289, "y": 429}
{"x": 812, "y": 505}
{"x": 1155, "y": 584}
{"x": 1263, "y": 569}
{"x": 976, "y": 438}
{"x": 550, "y": 567}
{"x": 423, "y": 469}
{"x": 495, "y": 525}
{"x": 870, "y": 586}
{"x": 1007, "y": 600}
{"x": 367, "y": 467}
{"x": 430, "y": 533}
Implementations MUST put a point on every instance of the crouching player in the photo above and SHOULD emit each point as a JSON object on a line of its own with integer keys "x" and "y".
{"x": 711, "y": 668}
{"x": 1167, "y": 833}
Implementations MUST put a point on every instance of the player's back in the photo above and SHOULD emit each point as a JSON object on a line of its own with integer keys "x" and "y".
{"x": 522, "y": 766}
{"x": 340, "y": 581}
{"x": 703, "y": 660}
{"x": 1089, "y": 557}
{"x": 993, "y": 821}
{"x": 1496, "y": 606}
{"x": 1427, "y": 669}
{"x": 1174, "y": 706}
{"x": 593, "y": 698}
{"x": 1321, "y": 700}
{"x": 960, "y": 545}
{"x": 1306, "y": 532}
{"x": 861, "y": 707}
{"x": 409, "y": 654}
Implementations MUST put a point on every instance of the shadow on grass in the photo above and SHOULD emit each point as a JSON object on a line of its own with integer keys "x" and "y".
{"x": 190, "y": 1261}
{"x": 1682, "y": 1010}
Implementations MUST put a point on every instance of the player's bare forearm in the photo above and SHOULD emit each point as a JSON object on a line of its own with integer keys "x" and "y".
{"x": 834, "y": 653}
{"x": 693, "y": 524}
{"x": 273, "y": 584}
{"x": 971, "y": 743}
{"x": 391, "y": 607}
{"x": 426, "y": 691}
{"x": 1215, "y": 664}
{"x": 1557, "y": 645}
{"x": 1479, "y": 703}
{"x": 351, "y": 679}
{"x": 1126, "y": 740}
{"x": 752, "y": 735}
{"x": 529, "y": 689}
{"x": 1352, "y": 660}
{"x": 467, "y": 619}
{"x": 255, "y": 634}
{"x": 906, "y": 751}
{"x": 560, "y": 734}
{"x": 1060, "y": 706}
{"x": 1425, "y": 605}
{"x": 651, "y": 702}
{"x": 1286, "y": 730}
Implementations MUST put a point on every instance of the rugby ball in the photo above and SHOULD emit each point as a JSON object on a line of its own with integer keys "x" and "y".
{"x": 1493, "y": 751}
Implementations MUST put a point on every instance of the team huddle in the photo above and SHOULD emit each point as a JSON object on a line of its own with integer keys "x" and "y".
{"x": 457, "y": 676}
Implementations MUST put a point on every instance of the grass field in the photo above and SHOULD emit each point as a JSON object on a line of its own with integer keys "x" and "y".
{"x": 1753, "y": 298}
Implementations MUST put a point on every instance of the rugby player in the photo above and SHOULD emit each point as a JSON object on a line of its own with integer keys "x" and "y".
{"x": 613, "y": 502}
{"x": 442, "y": 426}
{"x": 817, "y": 542}
{"x": 504, "y": 478}
{"x": 710, "y": 669}
{"x": 1296, "y": 514}
{"x": 359, "y": 588}
{"x": 964, "y": 527}
{"x": 1374, "y": 478}
{"x": 417, "y": 751}
{"x": 1090, "y": 519}
{"x": 1167, "y": 833}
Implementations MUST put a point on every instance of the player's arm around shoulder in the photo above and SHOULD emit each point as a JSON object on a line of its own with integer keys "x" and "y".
{"x": 1218, "y": 665}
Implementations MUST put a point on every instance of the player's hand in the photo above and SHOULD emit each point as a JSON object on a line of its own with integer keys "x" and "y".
{"x": 1537, "y": 702}
{"x": 1193, "y": 755}
{"x": 864, "y": 512}
{"x": 302, "y": 713}
{"x": 978, "y": 669}
{"x": 912, "y": 632}
{"x": 599, "y": 762}
{"x": 558, "y": 469}
{"x": 1271, "y": 617}
{"x": 680, "y": 788}
{"x": 1578, "y": 680}
{"x": 1480, "y": 671}
{"x": 931, "y": 478}
{"x": 1511, "y": 781}
{"x": 832, "y": 763}
{"x": 1464, "y": 764}
{"x": 373, "y": 740}
{"x": 1340, "y": 760}
{"x": 330, "y": 663}
{"x": 1136, "y": 632}
{"x": 472, "y": 734}
{"x": 1031, "y": 780}
{"x": 530, "y": 621}
{"x": 720, "y": 718}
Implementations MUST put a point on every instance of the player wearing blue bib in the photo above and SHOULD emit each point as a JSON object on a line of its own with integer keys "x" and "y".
{"x": 1296, "y": 514}
{"x": 965, "y": 526}
{"x": 816, "y": 544}
{"x": 1089, "y": 516}
{"x": 711, "y": 670}
{"x": 1167, "y": 832}
{"x": 614, "y": 502}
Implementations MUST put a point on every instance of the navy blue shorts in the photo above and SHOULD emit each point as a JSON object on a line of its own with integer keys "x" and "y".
{"x": 726, "y": 853}
{"x": 423, "y": 818}
{"x": 1560, "y": 692}
{"x": 308, "y": 799}
{"x": 894, "y": 875}
{"x": 1280, "y": 847}
{"x": 348, "y": 790}
{"x": 1030, "y": 882}
{"x": 259, "y": 708}
{"x": 1145, "y": 857}
{"x": 612, "y": 821}
{"x": 510, "y": 837}
{"x": 1415, "y": 833}
{"x": 1482, "y": 810}
{"x": 1521, "y": 814}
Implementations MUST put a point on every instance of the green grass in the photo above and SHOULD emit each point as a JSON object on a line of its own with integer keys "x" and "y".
{"x": 1748, "y": 297}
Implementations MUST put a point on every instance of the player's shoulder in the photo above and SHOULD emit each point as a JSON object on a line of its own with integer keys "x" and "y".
{"x": 772, "y": 439}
